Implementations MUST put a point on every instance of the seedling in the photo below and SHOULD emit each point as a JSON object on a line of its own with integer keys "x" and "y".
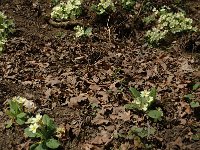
{"x": 104, "y": 7}
{"x": 44, "y": 128}
{"x": 65, "y": 11}
{"x": 18, "y": 106}
{"x": 81, "y": 32}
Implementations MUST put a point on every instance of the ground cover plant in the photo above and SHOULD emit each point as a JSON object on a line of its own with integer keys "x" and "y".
{"x": 104, "y": 7}
{"x": 81, "y": 32}
{"x": 6, "y": 27}
{"x": 167, "y": 23}
{"x": 81, "y": 75}
{"x": 69, "y": 10}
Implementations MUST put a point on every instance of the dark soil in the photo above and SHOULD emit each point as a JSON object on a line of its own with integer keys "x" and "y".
{"x": 65, "y": 76}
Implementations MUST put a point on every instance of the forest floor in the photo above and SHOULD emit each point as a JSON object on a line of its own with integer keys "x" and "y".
{"x": 83, "y": 84}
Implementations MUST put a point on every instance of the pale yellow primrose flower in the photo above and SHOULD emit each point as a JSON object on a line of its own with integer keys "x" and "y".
{"x": 137, "y": 101}
{"x": 60, "y": 131}
{"x": 19, "y": 99}
{"x": 145, "y": 93}
{"x": 150, "y": 99}
{"x": 145, "y": 107}
{"x": 32, "y": 120}
{"x": 33, "y": 127}
{"x": 37, "y": 118}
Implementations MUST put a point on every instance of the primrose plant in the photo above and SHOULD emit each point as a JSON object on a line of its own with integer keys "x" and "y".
{"x": 19, "y": 108}
{"x": 44, "y": 128}
{"x": 167, "y": 23}
{"x": 81, "y": 32}
{"x": 104, "y": 7}
{"x": 143, "y": 100}
{"x": 65, "y": 11}
{"x": 6, "y": 27}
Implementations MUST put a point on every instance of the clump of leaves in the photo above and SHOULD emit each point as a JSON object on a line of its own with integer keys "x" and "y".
{"x": 44, "y": 128}
{"x": 69, "y": 10}
{"x": 104, "y": 7}
{"x": 128, "y": 4}
{"x": 142, "y": 132}
{"x": 6, "y": 27}
{"x": 167, "y": 23}
{"x": 81, "y": 32}
{"x": 142, "y": 100}
{"x": 138, "y": 134}
{"x": 190, "y": 98}
{"x": 18, "y": 108}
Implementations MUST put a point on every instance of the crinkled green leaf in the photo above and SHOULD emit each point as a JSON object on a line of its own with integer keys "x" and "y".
{"x": 155, "y": 114}
{"x": 196, "y": 137}
{"x": 48, "y": 122}
{"x": 52, "y": 143}
{"x": 20, "y": 121}
{"x": 28, "y": 133}
{"x": 9, "y": 123}
{"x": 196, "y": 86}
{"x": 33, "y": 146}
{"x": 88, "y": 31}
{"x": 194, "y": 104}
{"x": 131, "y": 106}
{"x": 153, "y": 93}
{"x": 41, "y": 146}
{"x": 21, "y": 115}
{"x": 134, "y": 92}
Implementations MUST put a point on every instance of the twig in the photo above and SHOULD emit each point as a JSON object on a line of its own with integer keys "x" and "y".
{"x": 108, "y": 29}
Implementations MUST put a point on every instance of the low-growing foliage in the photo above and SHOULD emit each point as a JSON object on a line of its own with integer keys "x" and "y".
{"x": 6, "y": 27}
{"x": 81, "y": 32}
{"x": 18, "y": 109}
{"x": 44, "y": 128}
{"x": 196, "y": 86}
{"x": 69, "y": 10}
{"x": 143, "y": 100}
{"x": 104, "y": 7}
{"x": 128, "y": 4}
{"x": 142, "y": 132}
{"x": 139, "y": 135}
{"x": 190, "y": 98}
{"x": 167, "y": 23}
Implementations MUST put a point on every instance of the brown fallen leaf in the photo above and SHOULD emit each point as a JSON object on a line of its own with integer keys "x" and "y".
{"x": 101, "y": 138}
{"x": 75, "y": 100}
{"x": 126, "y": 116}
{"x": 50, "y": 80}
{"x": 125, "y": 146}
{"x": 99, "y": 120}
{"x": 103, "y": 98}
{"x": 90, "y": 147}
{"x": 94, "y": 87}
